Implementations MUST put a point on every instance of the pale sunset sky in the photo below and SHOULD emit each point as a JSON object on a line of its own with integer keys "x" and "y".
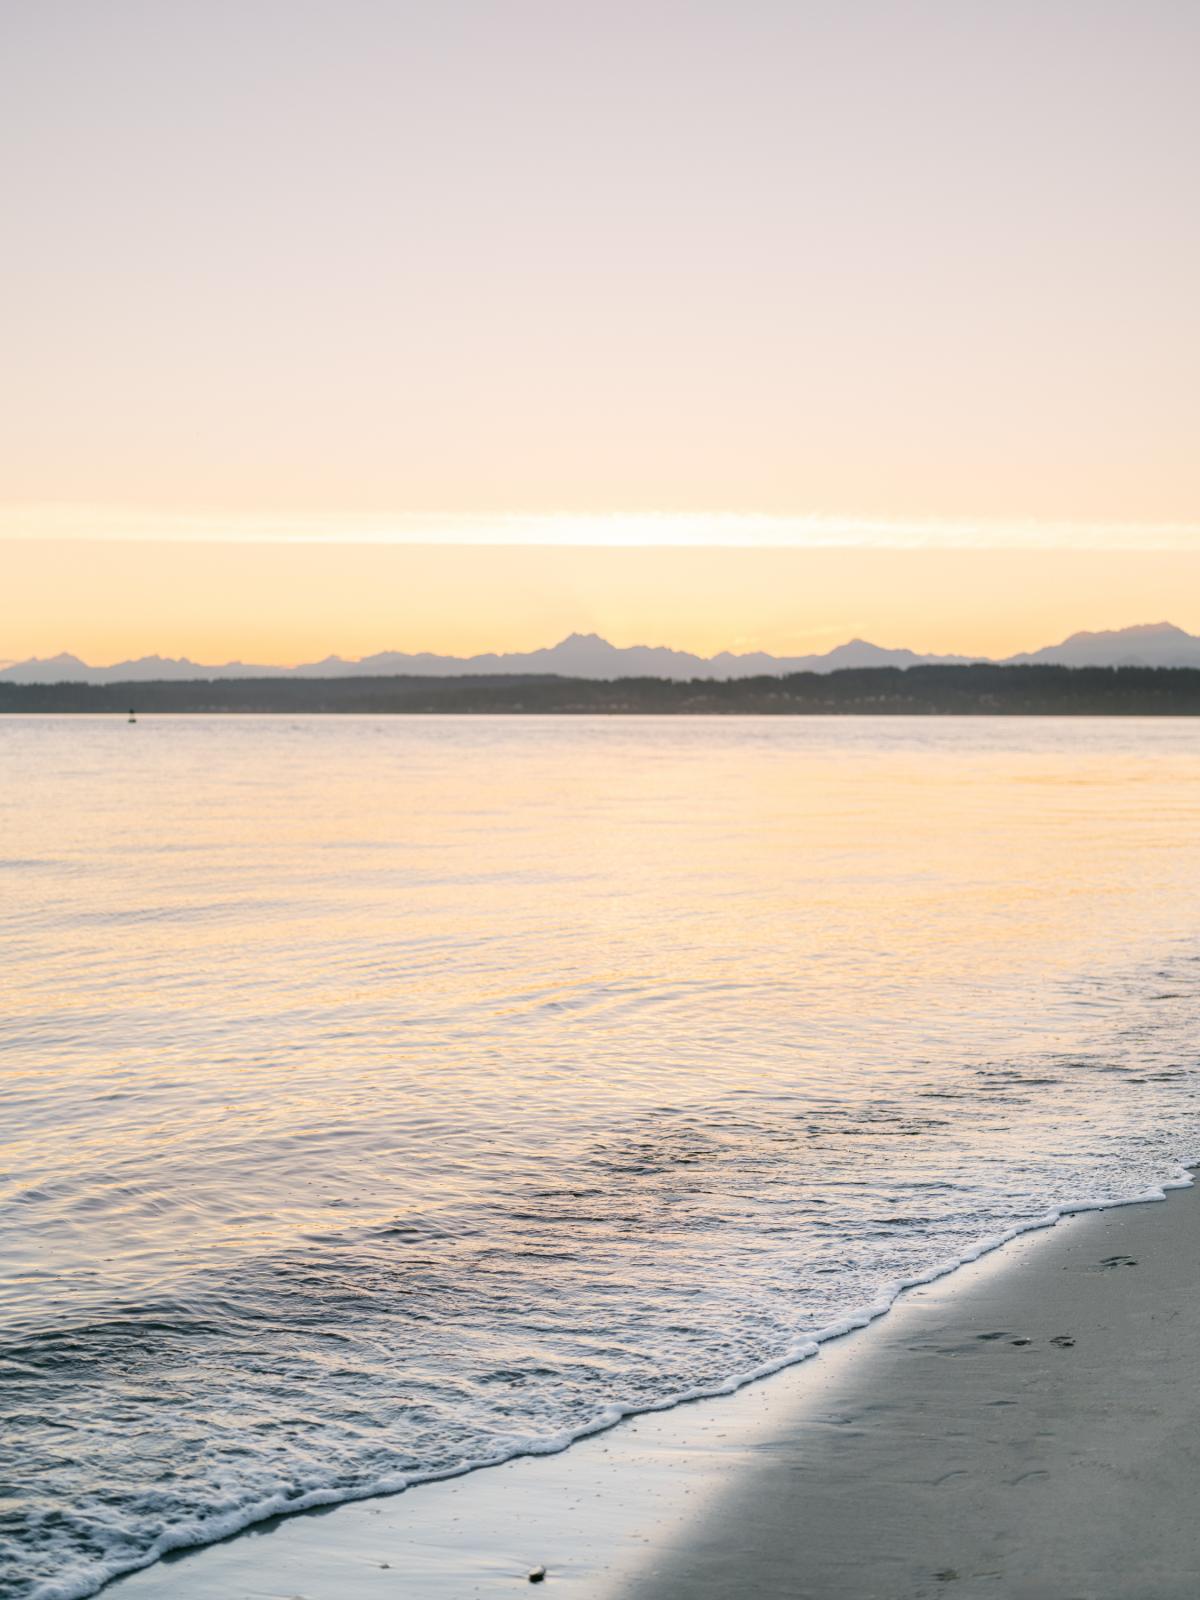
{"x": 344, "y": 325}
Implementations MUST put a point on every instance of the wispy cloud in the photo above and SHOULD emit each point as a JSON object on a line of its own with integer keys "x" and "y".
{"x": 626, "y": 529}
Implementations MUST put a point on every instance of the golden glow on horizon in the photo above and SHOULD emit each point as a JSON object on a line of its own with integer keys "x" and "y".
{"x": 632, "y": 529}
{"x": 758, "y": 330}
{"x": 290, "y": 603}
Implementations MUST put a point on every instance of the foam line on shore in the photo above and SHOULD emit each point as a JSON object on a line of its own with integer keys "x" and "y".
{"x": 210, "y": 1530}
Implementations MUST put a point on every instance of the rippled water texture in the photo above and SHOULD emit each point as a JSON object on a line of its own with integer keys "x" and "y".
{"x": 388, "y": 1095}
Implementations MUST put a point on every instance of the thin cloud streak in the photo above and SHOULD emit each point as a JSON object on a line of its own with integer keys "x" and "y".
{"x": 629, "y": 530}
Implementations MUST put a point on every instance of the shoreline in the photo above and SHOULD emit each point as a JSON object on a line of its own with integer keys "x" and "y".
{"x": 1033, "y": 1434}
{"x": 918, "y": 689}
{"x": 612, "y": 1511}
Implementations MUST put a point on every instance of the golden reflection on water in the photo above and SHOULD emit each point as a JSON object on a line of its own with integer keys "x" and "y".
{"x": 397, "y": 888}
{"x": 487, "y": 868}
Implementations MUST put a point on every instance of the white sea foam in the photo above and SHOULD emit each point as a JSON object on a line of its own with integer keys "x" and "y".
{"x": 195, "y": 1533}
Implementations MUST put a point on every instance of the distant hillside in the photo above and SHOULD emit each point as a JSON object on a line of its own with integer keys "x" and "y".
{"x": 1152, "y": 644}
{"x": 580, "y": 655}
{"x": 978, "y": 690}
{"x": 586, "y": 655}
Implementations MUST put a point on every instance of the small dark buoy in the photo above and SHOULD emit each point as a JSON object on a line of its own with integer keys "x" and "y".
{"x": 538, "y": 1575}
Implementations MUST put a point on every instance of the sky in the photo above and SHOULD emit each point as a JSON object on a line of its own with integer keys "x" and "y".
{"x": 291, "y": 603}
{"x": 599, "y": 277}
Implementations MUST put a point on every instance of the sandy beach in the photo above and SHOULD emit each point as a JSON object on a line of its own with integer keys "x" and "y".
{"x": 1026, "y": 1426}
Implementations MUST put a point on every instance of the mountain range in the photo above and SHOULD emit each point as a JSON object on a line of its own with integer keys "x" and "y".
{"x": 586, "y": 655}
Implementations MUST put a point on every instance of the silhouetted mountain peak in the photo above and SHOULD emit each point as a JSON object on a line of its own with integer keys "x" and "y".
{"x": 588, "y": 655}
{"x": 1138, "y": 630}
{"x": 1146, "y": 644}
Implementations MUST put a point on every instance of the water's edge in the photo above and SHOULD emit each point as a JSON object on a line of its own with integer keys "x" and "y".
{"x": 191, "y": 1537}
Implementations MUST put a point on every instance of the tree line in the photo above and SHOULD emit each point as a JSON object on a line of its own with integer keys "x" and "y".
{"x": 979, "y": 690}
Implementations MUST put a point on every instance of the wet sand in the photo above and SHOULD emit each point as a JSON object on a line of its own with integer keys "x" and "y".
{"x": 1027, "y": 1427}
{"x": 1034, "y": 1433}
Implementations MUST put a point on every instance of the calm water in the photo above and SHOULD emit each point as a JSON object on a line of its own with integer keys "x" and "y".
{"x": 384, "y": 1096}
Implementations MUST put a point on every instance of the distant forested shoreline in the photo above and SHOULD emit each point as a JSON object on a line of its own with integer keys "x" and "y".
{"x": 979, "y": 690}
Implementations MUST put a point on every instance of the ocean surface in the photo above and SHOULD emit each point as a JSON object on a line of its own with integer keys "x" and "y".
{"x": 387, "y": 1096}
